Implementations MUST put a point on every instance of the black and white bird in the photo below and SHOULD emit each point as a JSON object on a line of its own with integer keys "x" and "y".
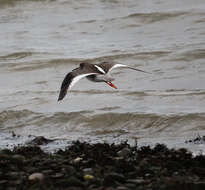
{"x": 95, "y": 72}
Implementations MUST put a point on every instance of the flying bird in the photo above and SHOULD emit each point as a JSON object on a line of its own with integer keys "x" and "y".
{"x": 95, "y": 72}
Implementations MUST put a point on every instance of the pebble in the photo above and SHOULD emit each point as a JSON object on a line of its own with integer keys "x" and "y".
{"x": 77, "y": 160}
{"x": 36, "y": 176}
{"x": 88, "y": 170}
{"x": 121, "y": 188}
{"x": 57, "y": 175}
{"x": 112, "y": 177}
{"x": 4, "y": 157}
{"x": 39, "y": 141}
{"x": 72, "y": 181}
{"x": 3, "y": 182}
{"x": 13, "y": 174}
{"x": 47, "y": 172}
{"x": 136, "y": 181}
{"x": 98, "y": 169}
{"x": 130, "y": 185}
{"x": 18, "y": 157}
{"x": 124, "y": 152}
{"x": 148, "y": 175}
{"x": 88, "y": 177}
{"x": 119, "y": 158}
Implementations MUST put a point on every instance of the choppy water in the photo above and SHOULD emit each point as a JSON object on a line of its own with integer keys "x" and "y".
{"x": 41, "y": 41}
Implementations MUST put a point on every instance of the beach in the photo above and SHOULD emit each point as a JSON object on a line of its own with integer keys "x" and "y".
{"x": 101, "y": 166}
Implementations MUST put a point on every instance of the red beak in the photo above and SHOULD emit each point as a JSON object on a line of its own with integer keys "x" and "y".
{"x": 112, "y": 85}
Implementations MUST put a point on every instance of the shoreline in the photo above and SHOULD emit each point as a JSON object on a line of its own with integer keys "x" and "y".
{"x": 101, "y": 166}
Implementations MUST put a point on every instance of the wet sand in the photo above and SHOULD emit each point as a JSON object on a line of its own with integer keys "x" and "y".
{"x": 100, "y": 166}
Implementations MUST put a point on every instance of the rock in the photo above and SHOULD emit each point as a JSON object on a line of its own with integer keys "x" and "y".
{"x": 89, "y": 162}
{"x": 144, "y": 164}
{"x": 2, "y": 182}
{"x": 88, "y": 170}
{"x": 95, "y": 167}
{"x": 4, "y": 157}
{"x": 199, "y": 171}
{"x": 14, "y": 135}
{"x": 57, "y": 175}
{"x": 88, "y": 177}
{"x": 109, "y": 188}
{"x": 5, "y": 151}
{"x": 71, "y": 181}
{"x": 136, "y": 181}
{"x": 15, "y": 182}
{"x": 118, "y": 158}
{"x": 47, "y": 172}
{"x": 199, "y": 185}
{"x": 77, "y": 160}
{"x": 160, "y": 148}
{"x": 13, "y": 175}
{"x": 148, "y": 175}
{"x": 39, "y": 141}
{"x": 68, "y": 170}
{"x": 112, "y": 177}
{"x": 121, "y": 188}
{"x": 130, "y": 185}
{"x": 29, "y": 151}
{"x": 36, "y": 177}
{"x": 198, "y": 140}
{"x": 32, "y": 169}
{"x": 19, "y": 158}
{"x": 124, "y": 152}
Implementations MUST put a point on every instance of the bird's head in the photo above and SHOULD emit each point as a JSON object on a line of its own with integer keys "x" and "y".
{"x": 109, "y": 80}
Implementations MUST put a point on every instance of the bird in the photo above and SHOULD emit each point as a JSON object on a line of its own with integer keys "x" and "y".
{"x": 95, "y": 72}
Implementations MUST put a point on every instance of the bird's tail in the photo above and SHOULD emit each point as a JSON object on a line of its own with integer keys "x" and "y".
{"x": 138, "y": 70}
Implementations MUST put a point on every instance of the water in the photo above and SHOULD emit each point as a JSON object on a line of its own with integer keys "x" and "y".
{"x": 41, "y": 41}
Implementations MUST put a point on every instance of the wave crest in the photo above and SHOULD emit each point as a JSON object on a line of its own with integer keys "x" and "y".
{"x": 128, "y": 121}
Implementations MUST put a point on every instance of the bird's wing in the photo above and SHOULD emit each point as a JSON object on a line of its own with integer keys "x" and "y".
{"x": 71, "y": 79}
{"x": 108, "y": 67}
{"x": 126, "y": 66}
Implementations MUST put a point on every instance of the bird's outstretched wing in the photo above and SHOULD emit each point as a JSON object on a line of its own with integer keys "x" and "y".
{"x": 73, "y": 77}
{"x": 109, "y": 66}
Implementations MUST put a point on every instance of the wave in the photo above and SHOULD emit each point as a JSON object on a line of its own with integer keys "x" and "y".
{"x": 190, "y": 56}
{"x": 17, "y": 62}
{"x": 16, "y": 55}
{"x": 170, "y": 92}
{"x": 106, "y": 121}
{"x": 144, "y": 18}
{"x": 147, "y": 18}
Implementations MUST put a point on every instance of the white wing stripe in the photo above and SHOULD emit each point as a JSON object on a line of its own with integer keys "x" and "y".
{"x": 116, "y": 66}
{"x": 77, "y": 78}
{"x": 100, "y": 69}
